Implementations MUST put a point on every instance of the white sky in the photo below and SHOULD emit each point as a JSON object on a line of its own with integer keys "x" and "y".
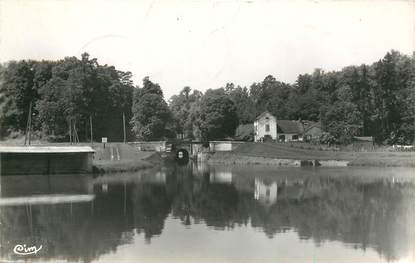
{"x": 205, "y": 44}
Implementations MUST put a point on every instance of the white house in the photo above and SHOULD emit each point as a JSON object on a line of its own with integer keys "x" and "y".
{"x": 265, "y": 126}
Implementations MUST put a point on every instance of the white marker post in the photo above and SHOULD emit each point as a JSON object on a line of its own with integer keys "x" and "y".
{"x": 104, "y": 140}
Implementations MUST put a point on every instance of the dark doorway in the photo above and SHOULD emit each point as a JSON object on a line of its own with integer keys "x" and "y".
{"x": 182, "y": 156}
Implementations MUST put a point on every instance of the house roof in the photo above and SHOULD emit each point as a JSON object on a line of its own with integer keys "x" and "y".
{"x": 289, "y": 126}
{"x": 292, "y": 126}
{"x": 308, "y": 125}
{"x": 46, "y": 149}
{"x": 263, "y": 114}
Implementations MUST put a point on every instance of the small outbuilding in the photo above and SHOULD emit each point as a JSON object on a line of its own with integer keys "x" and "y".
{"x": 25, "y": 160}
{"x": 363, "y": 144}
{"x": 312, "y": 130}
{"x": 289, "y": 130}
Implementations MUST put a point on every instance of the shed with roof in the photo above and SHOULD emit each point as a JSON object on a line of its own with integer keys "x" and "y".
{"x": 289, "y": 130}
{"x": 25, "y": 160}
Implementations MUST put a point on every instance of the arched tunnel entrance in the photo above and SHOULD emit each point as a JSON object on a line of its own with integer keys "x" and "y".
{"x": 182, "y": 156}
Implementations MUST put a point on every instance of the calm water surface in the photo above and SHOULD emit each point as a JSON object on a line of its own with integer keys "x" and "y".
{"x": 213, "y": 214}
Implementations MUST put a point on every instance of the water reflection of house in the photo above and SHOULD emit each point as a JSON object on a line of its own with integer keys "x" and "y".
{"x": 200, "y": 168}
{"x": 159, "y": 177}
{"x": 266, "y": 193}
{"x": 221, "y": 177}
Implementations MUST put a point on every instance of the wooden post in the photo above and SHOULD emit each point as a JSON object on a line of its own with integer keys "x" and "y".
{"x": 90, "y": 128}
{"x": 86, "y": 131}
{"x": 123, "y": 121}
{"x": 125, "y": 197}
{"x": 75, "y": 133}
{"x": 70, "y": 131}
{"x": 28, "y": 125}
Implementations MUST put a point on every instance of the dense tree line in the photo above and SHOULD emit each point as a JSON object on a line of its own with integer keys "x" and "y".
{"x": 65, "y": 93}
{"x": 367, "y": 100}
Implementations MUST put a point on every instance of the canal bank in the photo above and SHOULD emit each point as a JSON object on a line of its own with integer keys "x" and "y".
{"x": 120, "y": 157}
{"x": 233, "y": 159}
{"x": 280, "y": 155}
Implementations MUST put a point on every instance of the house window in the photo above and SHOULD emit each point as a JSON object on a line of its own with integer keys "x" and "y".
{"x": 267, "y": 127}
{"x": 295, "y": 137}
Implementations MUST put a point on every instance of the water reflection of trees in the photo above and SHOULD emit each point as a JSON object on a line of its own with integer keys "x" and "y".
{"x": 150, "y": 208}
{"x": 363, "y": 214}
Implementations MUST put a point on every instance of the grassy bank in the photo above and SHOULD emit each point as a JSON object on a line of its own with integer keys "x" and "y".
{"x": 120, "y": 157}
{"x": 107, "y": 166}
{"x": 281, "y": 154}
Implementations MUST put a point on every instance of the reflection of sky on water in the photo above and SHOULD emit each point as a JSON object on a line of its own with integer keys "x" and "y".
{"x": 45, "y": 199}
{"x": 242, "y": 244}
{"x": 218, "y": 214}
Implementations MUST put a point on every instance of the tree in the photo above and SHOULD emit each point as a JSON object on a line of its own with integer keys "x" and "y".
{"x": 303, "y": 102}
{"x": 76, "y": 90}
{"x": 407, "y": 97}
{"x": 386, "y": 91}
{"x": 216, "y": 115}
{"x": 365, "y": 104}
{"x": 371, "y": 100}
{"x": 181, "y": 106}
{"x": 17, "y": 91}
{"x": 271, "y": 95}
{"x": 245, "y": 107}
{"x": 150, "y": 111}
{"x": 343, "y": 121}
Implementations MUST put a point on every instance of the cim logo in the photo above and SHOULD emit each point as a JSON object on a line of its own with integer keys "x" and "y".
{"x": 25, "y": 250}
